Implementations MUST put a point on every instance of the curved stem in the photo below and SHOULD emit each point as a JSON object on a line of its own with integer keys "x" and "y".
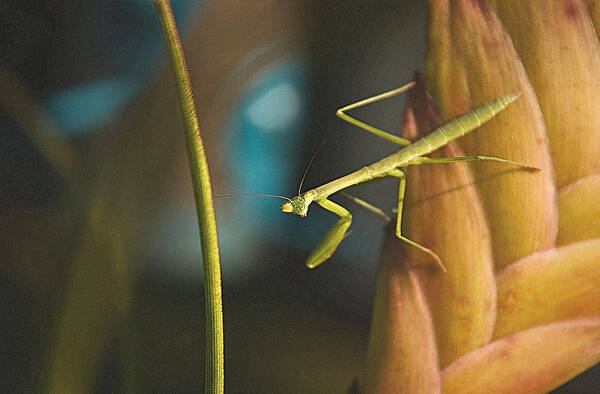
{"x": 214, "y": 382}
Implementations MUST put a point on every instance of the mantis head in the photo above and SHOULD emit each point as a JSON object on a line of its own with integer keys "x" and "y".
{"x": 297, "y": 205}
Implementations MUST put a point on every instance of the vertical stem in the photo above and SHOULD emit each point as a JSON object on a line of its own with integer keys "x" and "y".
{"x": 214, "y": 382}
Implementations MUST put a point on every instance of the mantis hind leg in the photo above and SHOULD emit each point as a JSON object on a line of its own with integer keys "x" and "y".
{"x": 332, "y": 239}
{"x": 442, "y": 160}
{"x": 401, "y": 191}
{"x": 341, "y": 113}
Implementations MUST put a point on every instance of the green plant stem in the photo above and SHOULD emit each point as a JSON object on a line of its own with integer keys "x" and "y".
{"x": 204, "y": 204}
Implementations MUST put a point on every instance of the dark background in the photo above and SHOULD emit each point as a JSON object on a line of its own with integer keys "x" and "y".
{"x": 96, "y": 73}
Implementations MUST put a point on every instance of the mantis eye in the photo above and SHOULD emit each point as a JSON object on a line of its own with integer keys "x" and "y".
{"x": 287, "y": 207}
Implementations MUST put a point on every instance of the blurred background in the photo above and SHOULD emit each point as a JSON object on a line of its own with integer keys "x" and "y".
{"x": 100, "y": 263}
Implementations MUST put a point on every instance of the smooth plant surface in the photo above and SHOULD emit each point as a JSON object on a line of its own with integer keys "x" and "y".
{"x": 519, "y": 307}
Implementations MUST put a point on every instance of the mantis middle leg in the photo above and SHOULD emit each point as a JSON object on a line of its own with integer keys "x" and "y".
{"x": 428, "y": 160}
{"x": 401, "y": 191}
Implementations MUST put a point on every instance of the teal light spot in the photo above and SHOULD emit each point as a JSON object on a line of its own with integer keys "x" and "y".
{"x": 131, "y": 54}
{"x": 276, "y": 109}
{"x": 262, "y": 140}
{"x": 89, "y": 105}
{"x": 264, "y": 132}
{"x": 264, "y": 145}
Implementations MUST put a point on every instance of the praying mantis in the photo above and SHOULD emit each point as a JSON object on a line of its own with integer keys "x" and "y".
{"x": 412, "y": 153}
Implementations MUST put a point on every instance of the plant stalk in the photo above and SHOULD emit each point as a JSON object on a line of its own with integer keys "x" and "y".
{"x": 214, "y": 374}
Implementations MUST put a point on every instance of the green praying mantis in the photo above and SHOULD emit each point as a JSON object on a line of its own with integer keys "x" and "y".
{"x": 412, "y": 153}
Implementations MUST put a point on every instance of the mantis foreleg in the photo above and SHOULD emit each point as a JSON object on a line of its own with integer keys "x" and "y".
{"x": 334, "y": 236}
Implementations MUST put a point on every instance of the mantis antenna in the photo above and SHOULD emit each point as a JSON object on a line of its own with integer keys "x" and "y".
{"x": 310, "y": 164}
{"x": 251, "y": 195}
{"x": 276, "y": 195}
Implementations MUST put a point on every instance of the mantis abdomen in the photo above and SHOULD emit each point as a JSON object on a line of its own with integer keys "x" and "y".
{"x": 455, "y": 128}
{"x": 439, "y": 137}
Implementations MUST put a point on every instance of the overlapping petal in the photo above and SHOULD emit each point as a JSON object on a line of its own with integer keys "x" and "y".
{"x": 531, "y": 361}
{"x": 402, "y": 356}
{"x": 444, "y": 212}
{"x": 558, "y": 45}
{"x": 470, "y": 61}
{"x": 593, "y": 7}
{"x": 554, "y": 285}
{"x": 579, "y": 210}
{"x": 485, "y": 215}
